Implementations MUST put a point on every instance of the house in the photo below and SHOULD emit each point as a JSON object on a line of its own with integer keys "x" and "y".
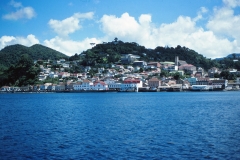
{"x": 200, "y": 70}
{"x": 154, "y": 82}
{"x": 69, "y": 86}
{"x": 202, "y": 81}
{"x": 131, "y": 84}
{"x": 63, "y": 74}
{"x": 52, "y": 87}
{"x": 65, "y": 65}
{"x": 192, "y": 80}
{"x": 77, "y": 86}
{"x": 5, "y": 89}
{"x": 42, "y": 77}
{"x": 24, "y": 88}
{"x": 128, "y": 87}
{"x": 168, "y": 66}
{"x": 219, "y": 83}
{"x": 76, "y": 75}
{"x": 128, "y": 58}
{"x": 36, "y": 88}
{"x": 133, "y": 80}
{"x": 151, "y": 67}
{"x": 84, "y": 85}
{"x": 44, "y": 87}
{"x": 181, "y": 62}
{"x": 188, "y": 68}
{"x": 62, "y": 60}
{"x": 100, "y": 85}
{"x": 156, "y": 64}
{"x": 60, "y": 87}
{"x": 212, "y": 71}
{"x": 114, "y": 85}
{"x": 109, "y": 80}
{"x": 139, "y": 64}
{"x": 53, "y": 75}
{"x": 170, "y": 82}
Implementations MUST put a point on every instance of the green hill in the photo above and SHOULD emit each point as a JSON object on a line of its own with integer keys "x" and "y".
{"x": 10, "y": 55}
{"x": 111, "y": 53}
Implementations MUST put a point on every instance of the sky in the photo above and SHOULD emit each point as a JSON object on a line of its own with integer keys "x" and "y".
{"x": 210, "y": 27}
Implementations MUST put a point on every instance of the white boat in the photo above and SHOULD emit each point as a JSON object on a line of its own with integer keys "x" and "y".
{"x": 201, "y": 88}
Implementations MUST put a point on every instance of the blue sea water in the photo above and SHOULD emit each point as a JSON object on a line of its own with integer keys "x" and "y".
{"x": 161, "y": 125}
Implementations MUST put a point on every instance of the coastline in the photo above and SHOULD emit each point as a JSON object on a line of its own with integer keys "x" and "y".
{"x": 116, "y": 91}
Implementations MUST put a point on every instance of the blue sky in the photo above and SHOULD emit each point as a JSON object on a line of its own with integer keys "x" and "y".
{"x": 210, "y": 27}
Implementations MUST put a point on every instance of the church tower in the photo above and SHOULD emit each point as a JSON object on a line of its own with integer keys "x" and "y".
{"x": 176, "y": 63}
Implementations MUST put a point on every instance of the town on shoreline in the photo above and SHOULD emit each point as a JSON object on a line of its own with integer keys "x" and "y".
{"x": 138, "y": 77}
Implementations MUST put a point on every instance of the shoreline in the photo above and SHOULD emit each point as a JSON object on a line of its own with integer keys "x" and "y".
{"x": 109, "y": 91}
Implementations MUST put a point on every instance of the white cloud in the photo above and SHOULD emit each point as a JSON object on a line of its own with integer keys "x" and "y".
{"x": 231, "y": 3}
{"x": 183, "y": 31}
{"x": 225, "y": 23}
{"x": 122, "y": 27}
{"x": 20, "y": 13}
{"x": 15, "y": 4}
{"x": 70, "y": 47}
{"x": 10, "y": 40}
{"x": 202, "y": 11}
{"x": 69, "y": 25}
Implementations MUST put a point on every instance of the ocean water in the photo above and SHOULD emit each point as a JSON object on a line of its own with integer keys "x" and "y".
{"x": 161, "y": 125}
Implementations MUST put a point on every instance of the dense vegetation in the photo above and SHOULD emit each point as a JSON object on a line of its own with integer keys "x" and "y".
{"x": 10, "y": 55}
{"x": 22, "y": 74}
{"x": 110, "y": 52}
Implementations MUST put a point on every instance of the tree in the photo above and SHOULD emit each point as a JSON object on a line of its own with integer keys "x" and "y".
{"x": 217, "y": 75}
{"x": 176, "y": 76}
{"x": 164, "y": 73}
{"x": 24, "y": 73}
{"x": 225, "y": 74}
{"x": 141, "y": 70}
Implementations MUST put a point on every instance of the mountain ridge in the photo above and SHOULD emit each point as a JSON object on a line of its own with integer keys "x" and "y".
{"x": 11, "y": 54}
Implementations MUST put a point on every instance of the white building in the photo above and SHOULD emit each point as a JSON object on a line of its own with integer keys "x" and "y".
{"x": 85, "y": 85}
{"x": 52, "y": 75}
{"x": 131, "y": 84}
{"x": 99, "y": 85}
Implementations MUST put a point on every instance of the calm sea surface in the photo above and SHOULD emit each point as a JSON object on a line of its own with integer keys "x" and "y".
{"x": 162, "y": 125}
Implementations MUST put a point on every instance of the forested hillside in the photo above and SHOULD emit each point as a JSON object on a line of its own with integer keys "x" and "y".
{"x": 10, "y": 55}
{"x": 111, "y": 53}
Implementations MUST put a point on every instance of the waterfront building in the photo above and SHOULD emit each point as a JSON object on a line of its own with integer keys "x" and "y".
{"x": 192, "y": 80}
{"x": 219, "y": 83}
{"x": 154, "y": 82}
{"x": 202, "y": 81}
{"x": 99, "y": 85}
{"x": 131, "y": 84}
{"x": 84, "y": 85}
{"x": 5, "y": 88}
{"x": 60, "y": 87}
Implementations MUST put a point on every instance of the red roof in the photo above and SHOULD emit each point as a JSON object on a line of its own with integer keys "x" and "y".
{"x": 131, "y": 81}
{"x": 101, "y": 82}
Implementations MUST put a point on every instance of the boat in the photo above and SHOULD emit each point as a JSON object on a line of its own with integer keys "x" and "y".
{"x": 201, "y": 88}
